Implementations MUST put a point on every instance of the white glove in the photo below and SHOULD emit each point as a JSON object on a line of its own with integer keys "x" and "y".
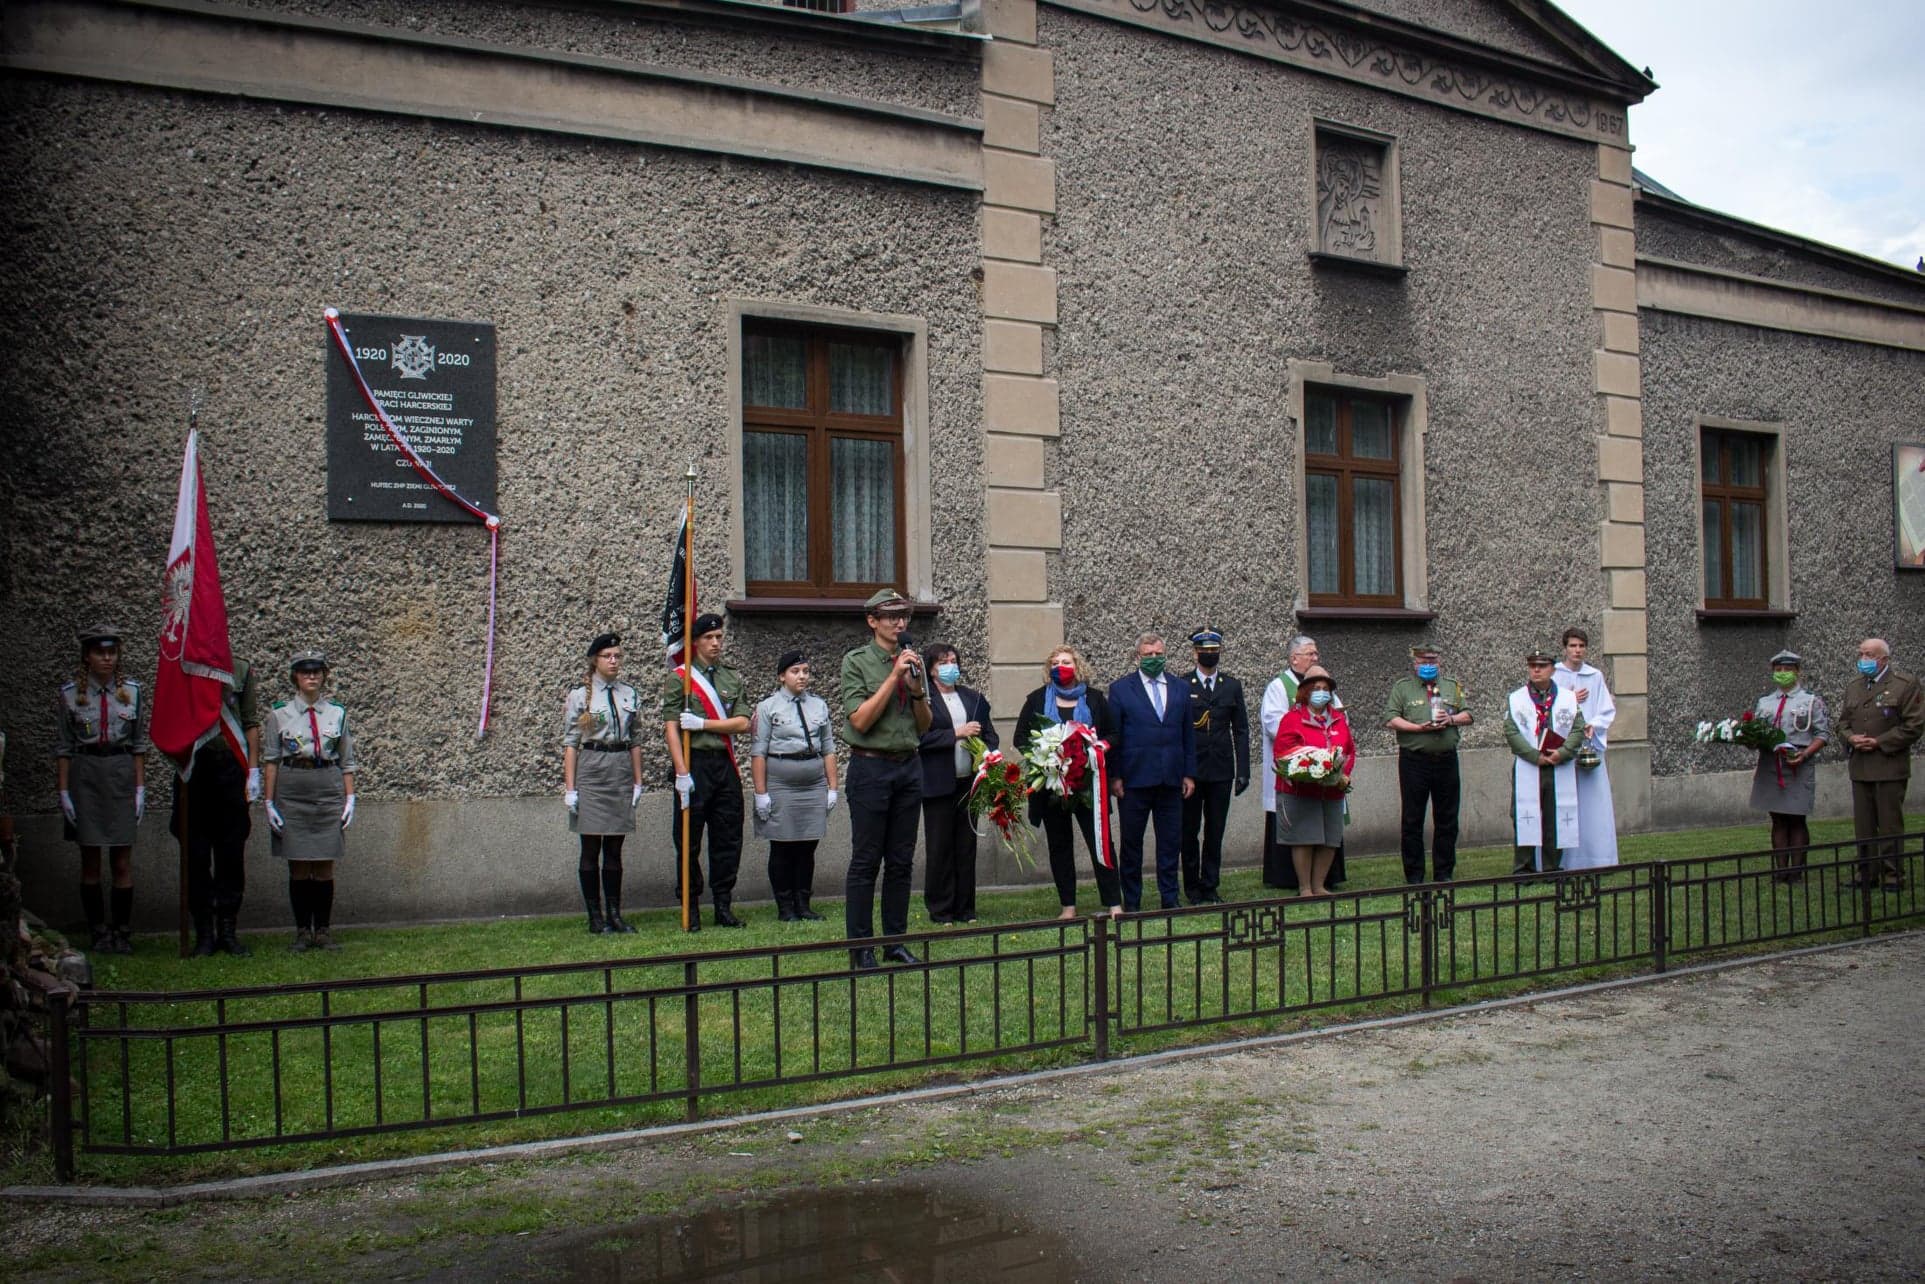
{"x": 685, "y": 786}
{"x": 764, "y": 806}
{"x": 829, "y": 804}
{"x": 274, "y": 820}
{"x": 693, "y": 721}
{"x": 635, "y": 795}
{"x": 67, "y": 805}
{"x": 347, "y": 812}
{"x": 253, "y": 784}
{"x": 140, "y": 801}
{"x": 569, "y": 798}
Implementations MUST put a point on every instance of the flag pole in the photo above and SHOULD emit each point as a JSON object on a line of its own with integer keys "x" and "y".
{"x": 180, "y": 785}
{"x": 688, "y": 662}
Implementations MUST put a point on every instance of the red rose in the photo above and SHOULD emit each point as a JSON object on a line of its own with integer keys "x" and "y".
{"x": 1012, "y": 773}
{"x": 1747, "y": 717}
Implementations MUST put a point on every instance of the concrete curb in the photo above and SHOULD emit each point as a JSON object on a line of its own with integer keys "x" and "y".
{"x": 271, "y": 1184}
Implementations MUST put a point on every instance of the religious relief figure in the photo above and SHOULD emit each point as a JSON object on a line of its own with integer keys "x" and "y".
{"x": 1349, "y": 192}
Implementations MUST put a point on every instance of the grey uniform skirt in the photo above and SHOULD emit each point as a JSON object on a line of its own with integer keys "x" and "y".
{"x": 799, "y": 788}
{"x": 1797, "y": 797}
{"x": 605, "y": 783}
{"x": 1309, "y": 822}
{"x": 102, "y": 787}
{"x": 310, "y": 800}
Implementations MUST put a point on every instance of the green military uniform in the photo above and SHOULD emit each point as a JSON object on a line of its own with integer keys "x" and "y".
{"x": 1427, "y": 773}
{"x": 715, "y": 803}
{"x": 884, "y": 787}
{"x": 1889, "y": 706}
{"x": 863, "y": 671}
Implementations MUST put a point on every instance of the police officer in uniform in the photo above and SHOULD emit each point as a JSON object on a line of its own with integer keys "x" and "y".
{"x": 886, "y": 702}
{"x": 100, "y": 765}
{"x": 218, "y": 793}
{"x": 1222, "y": 720}
{"x": 707, "y": 785}
{"x": 308, "y": 781}
{"x": 601, "y": 762}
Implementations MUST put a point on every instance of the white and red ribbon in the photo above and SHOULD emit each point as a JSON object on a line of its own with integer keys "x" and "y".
{"x": 711, "y": 702}
{"x": 491, "y": 520}
{"x": 1099, "y": 769}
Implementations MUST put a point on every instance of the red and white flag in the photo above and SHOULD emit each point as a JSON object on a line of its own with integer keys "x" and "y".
{"x": 196, "y": 663}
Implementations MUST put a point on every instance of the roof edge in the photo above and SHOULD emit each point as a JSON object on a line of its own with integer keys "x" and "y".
{"x": 1704, "y": 216}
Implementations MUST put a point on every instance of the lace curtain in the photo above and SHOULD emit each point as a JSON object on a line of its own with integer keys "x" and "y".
{"x": 1320, "y": 510}
{"x": 862, "y": 510}
{"x": 1373, "y": 523}
{"x": 775, "y": 505}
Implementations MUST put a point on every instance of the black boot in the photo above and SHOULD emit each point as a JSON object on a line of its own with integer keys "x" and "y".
{"x": 724, "y": 916}
{"x": 785, "y": 906}
{"x": 597, "y": 925}
{"x": 617, "y": 925}
{"x": 802, "y": 910}
{"x": 205, "y": 942}
{"x": 226, "y": 937}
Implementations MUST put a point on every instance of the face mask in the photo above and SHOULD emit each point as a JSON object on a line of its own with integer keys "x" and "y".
{"x": 1868, "y": 667}
{"x": 949, "y": 673}
{"x": 1428, "y": 672}
{"x": 1152, "y": 665}
{"x": 1063, "y": 675}
{"x": 1784, "y": 678}
{"x": 1206, "y": 659}
{"x": 1320, "y": 698}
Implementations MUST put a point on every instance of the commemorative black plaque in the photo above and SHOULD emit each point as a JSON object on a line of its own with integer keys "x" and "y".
{"x": 436, "y": 381}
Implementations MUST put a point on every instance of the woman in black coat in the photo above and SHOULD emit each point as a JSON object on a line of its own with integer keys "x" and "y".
{"x": 1067, "y": 696}
{"x": 956, "y": 713}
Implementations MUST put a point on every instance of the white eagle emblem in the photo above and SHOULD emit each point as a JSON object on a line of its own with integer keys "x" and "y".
{"x": 176, "y": 594}
{"x": 413, "y": 356}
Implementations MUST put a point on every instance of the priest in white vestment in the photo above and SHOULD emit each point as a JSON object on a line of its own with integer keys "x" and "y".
{"x": 1545, "y": 730}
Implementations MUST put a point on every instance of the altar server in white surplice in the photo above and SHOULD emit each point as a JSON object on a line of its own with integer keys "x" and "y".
{"x": 1544, "y": 729}
{"x": 1597, "y": 823}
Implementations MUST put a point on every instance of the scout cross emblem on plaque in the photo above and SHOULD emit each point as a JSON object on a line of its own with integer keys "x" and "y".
{"x": 413, "y": 356}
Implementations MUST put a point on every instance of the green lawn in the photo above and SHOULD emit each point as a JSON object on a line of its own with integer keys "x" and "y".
{"x": 1014, "y": 997}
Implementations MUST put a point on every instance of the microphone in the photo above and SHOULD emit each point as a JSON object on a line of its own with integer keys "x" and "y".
{"x": 908, "y": 644}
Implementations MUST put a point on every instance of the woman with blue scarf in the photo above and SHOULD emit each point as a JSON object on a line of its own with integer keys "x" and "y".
{"x": 1067, "y": 696}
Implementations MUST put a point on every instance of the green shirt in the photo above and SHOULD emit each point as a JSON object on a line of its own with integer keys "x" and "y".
{"x": 1410, "y": 700}
{"x": 864, "y": 670}
{"x": 728, "y": 687}
{"x": 1523, "y": 746}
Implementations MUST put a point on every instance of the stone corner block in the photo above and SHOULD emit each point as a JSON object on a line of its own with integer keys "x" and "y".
{"x": 1617, "y": 247}
{"x": 1009, "y": 686}
{"x": 1019, "y": 181}
{"x": 1624, "y": 632}
{"x": 1610, "y": 202}
{"x": 1018, "y": 292}
{"x": 1014, "y": 20}
{"x": 1023, "y": 633}
{"x": 1620, "y": 459}
{"x": 1018, "y": 574}
{"x": 1012, "y": 124}
{"x": 1620, "y": 332}
{"x": 1621, "y": 547}
{"x": 1613, "y": 164}
{"x": 1021, "y": 404}
{"x": 1617, "y": 374}
{"x": 1024, "y": 518}
{"x": 1015, "y": 234}
{"x": 1624, "y": 416}
{"x": 1614, "y": 289}
{"x": 1633, "y": 721}
{"x": 1628, "y": 590}
{"x": 1015, "y": 347}
{"x": 1020, "y": 71}
{"x": 1630, "y": 675}
{"x": 1625, "y": 502}
{"x": 1013, "y": 461}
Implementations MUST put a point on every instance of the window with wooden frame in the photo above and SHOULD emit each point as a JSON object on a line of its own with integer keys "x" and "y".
{"x": 822, "y": 461}
{"x": 1734, "y": 492}
{"x": 1353, "y": 508}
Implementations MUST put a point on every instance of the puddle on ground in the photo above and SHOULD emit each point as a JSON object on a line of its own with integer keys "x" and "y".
{"x": 854, "y": 1234}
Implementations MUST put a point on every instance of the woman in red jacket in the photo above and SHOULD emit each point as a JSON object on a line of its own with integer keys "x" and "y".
{"x": 1310, "y": 815}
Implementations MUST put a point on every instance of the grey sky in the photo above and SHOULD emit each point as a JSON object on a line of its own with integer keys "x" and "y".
{"x": 1807, "y": 118}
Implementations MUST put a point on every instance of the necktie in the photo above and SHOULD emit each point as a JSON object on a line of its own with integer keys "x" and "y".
{"x": 103, "y": 717}
{"x": 1156, "y": 695}
{"x": 1781, "y": 709}
{"x": 616, "y": 729}
{"x": 314, "y": 728}
{"x": 802, "y": 721}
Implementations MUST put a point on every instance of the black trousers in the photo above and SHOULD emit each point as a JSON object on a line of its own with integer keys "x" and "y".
{"x": 1059, "y": 825}
{"x": 1206, "y": 810}
{"x": 1280, "y": 871}
{"x": 1429, "y": 780}
{"x": 1526, "y": 857}
{"x": 949, "y": 847}
{"x": 217, "y": 829}
{"x": 716, "y": 811}
{"x": 885, "y": 799}
{"x": 792, "y": 868}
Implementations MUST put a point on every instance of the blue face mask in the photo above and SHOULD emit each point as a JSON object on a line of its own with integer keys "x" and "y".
{"x": 1428, "y": 672}
{"x": 1868, "y": 667}
{"x": 950, "y": 673}
{"x": 1321, "y": 699}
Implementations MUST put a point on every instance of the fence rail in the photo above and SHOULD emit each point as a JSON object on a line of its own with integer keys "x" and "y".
{"x": 156, "y": 1074}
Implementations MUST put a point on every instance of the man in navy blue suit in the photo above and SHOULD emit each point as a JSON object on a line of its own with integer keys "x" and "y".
{"x": 1152, "y": 769}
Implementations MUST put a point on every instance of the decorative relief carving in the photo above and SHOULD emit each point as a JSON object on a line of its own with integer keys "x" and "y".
{"x": 1366, "y": 56}
{"x": 1350, "y": 192}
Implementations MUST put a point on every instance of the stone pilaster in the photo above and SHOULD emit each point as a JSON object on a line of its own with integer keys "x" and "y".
{"x": 1022, "y": 519}
{"x": 1621, "y": 648}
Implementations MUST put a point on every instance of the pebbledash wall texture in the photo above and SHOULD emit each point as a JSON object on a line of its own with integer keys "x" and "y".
{"x": 1097, "y": 217}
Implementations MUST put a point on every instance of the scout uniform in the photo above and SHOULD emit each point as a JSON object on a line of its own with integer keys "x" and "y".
{"x": 100, "y": 731}
{"x": 1543, "y": 799}
{"x": 1427, "y": 773}
{"x": 217, "y": 794}
{"x": 1221, "y": 718}
{"x": 602, "y": 723}
{"x": 884, "y": 788}
{"x": 1889, "y": 705}
{"x": 793, "y": 737}
{"x": 1788, "y": 792}
{"x": 715, "y": 802}
{"x": 310, "y": 808}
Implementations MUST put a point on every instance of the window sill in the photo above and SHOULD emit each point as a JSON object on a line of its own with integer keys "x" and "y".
{"x": 1346, "y": 263}
{"x": 813, "y": 606}
{"x": 1744, "y": 615}
{"x": 1366, "y": 614}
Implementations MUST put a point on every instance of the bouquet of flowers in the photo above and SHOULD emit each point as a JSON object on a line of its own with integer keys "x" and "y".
{"x": 1746, "y": 730}
{"x": 997, "y": 792}
{"x": 1308, "y": 765}
{"x": 1058, "y": 761}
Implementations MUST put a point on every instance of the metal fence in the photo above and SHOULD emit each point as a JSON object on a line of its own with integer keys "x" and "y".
{"x": 158, "y": 1074}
